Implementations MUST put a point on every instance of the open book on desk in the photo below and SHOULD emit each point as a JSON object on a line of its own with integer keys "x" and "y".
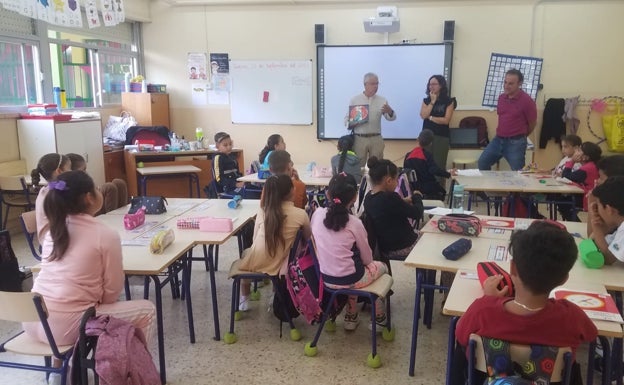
{"x": 597, "y": 306}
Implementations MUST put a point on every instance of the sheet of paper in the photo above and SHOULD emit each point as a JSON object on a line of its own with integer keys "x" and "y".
{"x": 469, "y": 172}
{"x": 444, "y": 211}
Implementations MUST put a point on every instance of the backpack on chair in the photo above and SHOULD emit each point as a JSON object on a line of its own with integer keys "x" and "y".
{"x": 305, "y": 283}
{"x": 480, "y": 124}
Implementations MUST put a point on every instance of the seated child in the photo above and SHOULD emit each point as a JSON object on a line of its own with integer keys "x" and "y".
{"x": 48, "y": 167}
{"x": 277, "y": 224}
{"x": 608, "y": 166}
{"x": 281, "y": 164}
{"x": 346, "y": 160}
{"x": 225, "y": 165}
{"x": 344, "y": 255}
{"x": 115, "y": 193}
{"x": 570, "y": 144}
{"x": 543, "y": 255}
{"x": 388, "y": 212}
{"x": 586, "y": 175}
{"x": 607, "y": 218}
{"x": 422, "y": 162}
{"x": 274, "y": 142}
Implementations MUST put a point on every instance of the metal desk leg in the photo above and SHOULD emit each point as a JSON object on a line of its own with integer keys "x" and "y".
{"x": 159, "y": 328}
{"x": 186, "y": 289}
{"x": 451, "y": 347}
{"x": 412, "y": 362}
{"x": 213, "y": 290}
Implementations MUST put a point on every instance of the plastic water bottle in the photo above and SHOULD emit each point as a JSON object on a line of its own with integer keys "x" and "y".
{"x": 127, "y": 82}
{"x": 458, "y": 199}
{"x": 57, "y": 98}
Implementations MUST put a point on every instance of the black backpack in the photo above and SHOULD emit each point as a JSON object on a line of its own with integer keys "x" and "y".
{"x": 10, "y": 276}
{"x": 481, "y": 124}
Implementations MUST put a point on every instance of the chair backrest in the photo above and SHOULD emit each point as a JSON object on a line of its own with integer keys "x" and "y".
{"x": 12, "y": 183}
{"x": 521, "y": 354}
{"x": 18, "y": 307}
{"x": 362, "y": 191}
{"x": 28, "y": 220}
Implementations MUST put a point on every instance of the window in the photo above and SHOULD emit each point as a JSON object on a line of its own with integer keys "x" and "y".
{"x": 91, "y": 71}
{"x": 17, "y": 74}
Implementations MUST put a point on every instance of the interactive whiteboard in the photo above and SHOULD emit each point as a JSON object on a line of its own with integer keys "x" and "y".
{"x": 403, "y": 72}
{"x": 271, "y": 91}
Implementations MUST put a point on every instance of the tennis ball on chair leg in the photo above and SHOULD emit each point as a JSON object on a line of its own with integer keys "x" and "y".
{"x": 373, "y": 362}
{"x": 255, "y": 295}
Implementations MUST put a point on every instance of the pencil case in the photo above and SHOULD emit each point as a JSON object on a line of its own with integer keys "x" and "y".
{"x": 488, "y": 269}
{"x": 132, "y": 221}
{"x": 188, "y": 223}
{"x": 461, "y": 224}
{"x": 457, "y": 249}
{"x": 216, "y": 225}
{"x": 590, "y": 255}
{"x": 161, "y": 240}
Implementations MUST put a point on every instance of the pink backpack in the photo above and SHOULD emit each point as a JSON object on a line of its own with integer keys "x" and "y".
{"x": 305, "y": 284}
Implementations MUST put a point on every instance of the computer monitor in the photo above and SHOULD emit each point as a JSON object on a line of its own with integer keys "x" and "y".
{"x": 464, "y": 137}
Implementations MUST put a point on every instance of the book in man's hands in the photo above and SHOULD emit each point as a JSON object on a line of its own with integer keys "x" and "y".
{"x": 597, "y": 306}
{"x": 358, "y": 114}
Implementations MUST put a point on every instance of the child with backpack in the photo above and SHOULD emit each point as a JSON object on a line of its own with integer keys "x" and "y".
{"x": 277, "y": 224}
{"x": 344, "y": 255}
{"x": 543, "y": 255}
{"x": 346, "y": 160}
{"x": 388, "y": 213}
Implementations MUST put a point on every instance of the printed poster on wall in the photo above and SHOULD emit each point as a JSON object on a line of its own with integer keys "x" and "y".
{"x": 199, "y": 96}
{"x": 196, "y": 66}
{"x": 93, "y": 18}
{"x": 219, "y": 63}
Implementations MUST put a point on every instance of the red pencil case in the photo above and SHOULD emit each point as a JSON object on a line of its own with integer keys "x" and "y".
{"x": 488, "y": 269}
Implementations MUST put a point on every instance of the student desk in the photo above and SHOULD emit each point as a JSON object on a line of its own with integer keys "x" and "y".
{"x": 464, "y": 291}
{"x": 200, "y": 158}
{"x": 151, "y": 172}
{"x": 426, "y": 257}
{"x": 304, "y": 175}
{"x": 218, "y": 208}
{"x": 175, "y": 207}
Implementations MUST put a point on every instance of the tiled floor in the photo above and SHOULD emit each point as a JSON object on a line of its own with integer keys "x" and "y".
{"x": 261, "y": 356}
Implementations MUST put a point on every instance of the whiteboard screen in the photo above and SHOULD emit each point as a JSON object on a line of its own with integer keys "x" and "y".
{"x": 271, "y": 92}
{"x": 403, "y": 72}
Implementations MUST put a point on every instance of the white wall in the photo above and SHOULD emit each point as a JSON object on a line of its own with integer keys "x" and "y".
{"x": 577, "y": 39}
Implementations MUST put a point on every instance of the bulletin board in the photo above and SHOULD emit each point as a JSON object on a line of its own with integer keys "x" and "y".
{"x": 531, "y": 68}
{"x": 271, "y": 92}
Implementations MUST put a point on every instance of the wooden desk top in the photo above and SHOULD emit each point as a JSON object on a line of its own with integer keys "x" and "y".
{"x": 173, "y": 169}
{"x": 166, "y": 154}
{"x": 175, "y": 206}
{"x": 464, "y": 291}
{"x": 512, "y": 181}
{"x": 494, "y": 227}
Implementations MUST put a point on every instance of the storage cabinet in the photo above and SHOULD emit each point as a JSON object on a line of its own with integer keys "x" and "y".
{"x": 114, "y": 165}
{"x": 38, "y": 137}
{"x": 149, "y": 109}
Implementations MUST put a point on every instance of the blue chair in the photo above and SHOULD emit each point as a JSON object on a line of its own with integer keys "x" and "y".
{"x": 28, "y": 220}
{"x": 14, "y": 193}
{"x": 30, "y": 307}
{"x": 380, "y": 288}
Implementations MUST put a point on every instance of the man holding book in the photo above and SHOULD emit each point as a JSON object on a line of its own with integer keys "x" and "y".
{"x": 365, "y": 112}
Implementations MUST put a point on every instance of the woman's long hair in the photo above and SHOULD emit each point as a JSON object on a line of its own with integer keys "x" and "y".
{"x": 66, "y": 196}
{"x": 276, "y": 190}
{"x": 443, "y": 86}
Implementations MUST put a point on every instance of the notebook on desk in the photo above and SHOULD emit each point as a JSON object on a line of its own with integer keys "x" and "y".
{"x": 464, "y": 137}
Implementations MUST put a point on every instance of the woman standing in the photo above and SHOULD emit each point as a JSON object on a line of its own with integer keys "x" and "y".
{"x": 436, "y": 112}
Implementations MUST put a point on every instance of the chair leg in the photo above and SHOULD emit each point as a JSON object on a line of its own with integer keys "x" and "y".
{"x": 127, "y": 288}
{"x": 6, "y": 218}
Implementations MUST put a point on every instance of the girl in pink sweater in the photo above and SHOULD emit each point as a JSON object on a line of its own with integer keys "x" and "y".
{"x": 344, "y": 255}
{"x": 81, "y": 263}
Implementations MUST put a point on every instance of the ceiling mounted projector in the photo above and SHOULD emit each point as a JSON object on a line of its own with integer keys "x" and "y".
{"x": 385, "y": 21}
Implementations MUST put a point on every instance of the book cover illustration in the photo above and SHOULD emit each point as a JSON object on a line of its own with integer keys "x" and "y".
{"x": 596, "y": 306}
{"x": 358, "y": 114}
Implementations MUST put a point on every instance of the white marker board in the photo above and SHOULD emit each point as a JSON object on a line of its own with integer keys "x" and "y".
{"x": 271, "y": 91}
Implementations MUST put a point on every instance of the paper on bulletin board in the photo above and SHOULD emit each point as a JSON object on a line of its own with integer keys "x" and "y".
{"x": 218, "y": 97}
{"x": 199, "y": 93}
